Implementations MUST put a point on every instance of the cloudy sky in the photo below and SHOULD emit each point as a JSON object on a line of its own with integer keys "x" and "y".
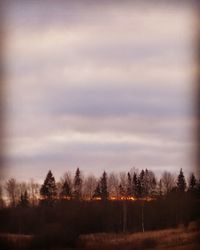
{"x": 103, "y": 86}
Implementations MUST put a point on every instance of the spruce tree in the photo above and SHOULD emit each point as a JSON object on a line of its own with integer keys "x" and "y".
{"x": 129, "y": 185}
{"x": 77, "y": 185}
{"x": 141, "y": 184}
{"x": 101, "y": 190}
{"x": 192, "y": 183}
{"x": 48, "y": 190}
{"x": 24, "y": 200}
{"x": 66, "y": 192}
{"x": 134, "y": 185}
{"x": 181, "y": 183}
{"x": 103, "y": 186}
{"x": 139, "y": 188}
{"x": 97, "y": 192}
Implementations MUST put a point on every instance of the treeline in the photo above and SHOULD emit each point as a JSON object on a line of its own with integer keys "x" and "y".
{"x": 123, "y": 186}
{"x": 57, "y": 213}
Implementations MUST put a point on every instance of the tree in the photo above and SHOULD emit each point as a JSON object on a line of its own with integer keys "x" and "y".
{"x": 49, "y": 190}
{"x": 113, "y": 185}
{"x": 77, "y": 185}
{"x": 89, "y": 186}
{"x": 67, "y": 177}
{"x": 160, "y": 188}
{"x": 122, "y": 192}
{"x": 139, "y": 188}
{"x": 146, "y": 183}
{"x": 97, "y": 192}
{"x": 1, "y": 197}
{"x": 153, "y": 186}
{"x": 141, "y": 184}
{"x": 66, "y": 192}
{"x": 192, "y": 183}
{"x": 68, "y": 180}
{"x": 24, "y": 200}
{"x": 12, "y": 191}
{"x": 181, "y": 183}
{"x": 34, "y": 190}
{"x": 198, "y": 188}
{"x": 122, "y": 186}
{"x": 103, "y": 186}
{"x": 101, "y": 190}
{"x": 168, "y": 182}
{"x": 152, "y": 183}
{"x": 134, "y": 185}
{"x": 129, "y": 186}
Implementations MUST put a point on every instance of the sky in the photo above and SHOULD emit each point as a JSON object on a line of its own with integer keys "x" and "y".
{"x": 99, "y": 86}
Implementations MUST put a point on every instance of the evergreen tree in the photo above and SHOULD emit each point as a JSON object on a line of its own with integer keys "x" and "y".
{"x": 129, "y": 185}
{"x": 141, "y": 184}
{"x": 192, "y": 183}
{"x": 97, "y": 192}
{"x": 77, "y": 185}
{"x": 66, "y": 192}
{"x": 134, "y": 185}
{"x": 24, "y": 200}
{"x": 181, "y": 183}
{"x": 101, "y": 190}
{"x": 103, "y": 186}
{"x": 139, "y": 188}
{"x": 48, "y": 190}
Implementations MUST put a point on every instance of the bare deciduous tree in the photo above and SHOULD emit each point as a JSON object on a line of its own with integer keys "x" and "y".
{"x": 13, "y": 192}
{"x": 89, "y": 186}
{"x": 67, "y": 177}
{"x": 168, "y": 182}
{"x": 113, "y": 185}
{"x": 123, "y": 179}
{"x": 34, "y": 192}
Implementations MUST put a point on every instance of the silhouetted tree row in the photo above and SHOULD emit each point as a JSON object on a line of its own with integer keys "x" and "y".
{"x": 57, "y": 213}
{"x": 133, "y": 185}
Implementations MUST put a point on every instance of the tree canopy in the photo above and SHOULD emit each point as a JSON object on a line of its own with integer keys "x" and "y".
{"x": 48, "y": 189}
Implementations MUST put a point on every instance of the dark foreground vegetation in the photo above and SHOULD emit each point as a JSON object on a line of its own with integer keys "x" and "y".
{"x": 130, "y": 218}
{"x": 62, "y": 223}
{"x": 176, "y": 239}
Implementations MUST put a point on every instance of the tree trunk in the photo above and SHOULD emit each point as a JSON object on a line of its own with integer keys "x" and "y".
{"x": 124, "y": 216}
{"x": 142, "y": 217}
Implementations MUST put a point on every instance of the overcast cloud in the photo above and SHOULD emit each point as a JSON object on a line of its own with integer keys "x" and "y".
{"x": 99, "y": 86}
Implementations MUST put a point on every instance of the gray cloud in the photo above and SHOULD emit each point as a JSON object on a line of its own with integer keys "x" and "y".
{"x": 100, "y": 86}
{"x": 106, "y": 101}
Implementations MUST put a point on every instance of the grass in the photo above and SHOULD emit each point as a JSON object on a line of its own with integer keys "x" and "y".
{"x": 176, "y": 239}
{"x": 172, "y": 239}
{"x": 15, "y": 241}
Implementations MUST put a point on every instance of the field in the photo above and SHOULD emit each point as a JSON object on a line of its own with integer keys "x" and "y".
{"x": 181, "y": 238}
{"x": 177, "y": 239}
